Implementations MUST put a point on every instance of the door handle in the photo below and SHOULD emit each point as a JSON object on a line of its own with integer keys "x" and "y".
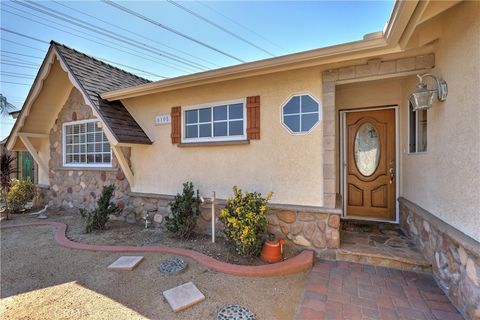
{"x": 391, "y": 170}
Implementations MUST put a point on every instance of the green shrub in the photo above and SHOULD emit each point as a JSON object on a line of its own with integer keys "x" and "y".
{"x": 185, "y": 210}
{"x": 20, "y": 192}
{"x": 245, "y": 220}
{"x": 96, "y": 218}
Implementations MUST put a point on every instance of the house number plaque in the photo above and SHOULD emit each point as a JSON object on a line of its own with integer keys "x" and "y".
{"x": 163, "y": 119}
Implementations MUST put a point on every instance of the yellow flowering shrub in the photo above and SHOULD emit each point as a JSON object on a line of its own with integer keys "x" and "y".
{"x": 21, "y": 191}
{"x": 245, "y": 220}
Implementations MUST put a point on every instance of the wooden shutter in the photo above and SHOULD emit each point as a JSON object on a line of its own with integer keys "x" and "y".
{"x": 176, "y": 115}
{"x": 253, "y": 118}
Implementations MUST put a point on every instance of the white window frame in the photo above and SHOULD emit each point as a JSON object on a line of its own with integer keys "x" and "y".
{"x": 243, "y": 101}
{"x": 416, "y": 133}
{"x": 64, "y": 147}
{"x": 298, "y": 94}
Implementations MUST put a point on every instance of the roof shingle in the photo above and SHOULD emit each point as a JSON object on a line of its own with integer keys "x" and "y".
{"x": 96, "y": 77}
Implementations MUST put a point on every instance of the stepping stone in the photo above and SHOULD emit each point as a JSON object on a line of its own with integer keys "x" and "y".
{"x": 172, "y": 265}
{"x": 184, "y": 296}
{"x": 235, "y": 312}
{"x": 126, "y": 263}
{"x": 150, "y": 240}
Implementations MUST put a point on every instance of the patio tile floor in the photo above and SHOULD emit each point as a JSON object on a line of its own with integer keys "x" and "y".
{"x": 347, "y": 290}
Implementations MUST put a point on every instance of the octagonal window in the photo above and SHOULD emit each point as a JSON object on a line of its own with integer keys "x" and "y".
{"x": 301, "y": 113}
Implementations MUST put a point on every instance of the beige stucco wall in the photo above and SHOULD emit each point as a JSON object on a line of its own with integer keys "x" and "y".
{"x": 289, "y": 165}
{"x": 445, "y": 180}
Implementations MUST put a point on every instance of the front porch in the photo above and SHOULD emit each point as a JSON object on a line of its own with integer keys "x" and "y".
{"x": 380, "y": 244}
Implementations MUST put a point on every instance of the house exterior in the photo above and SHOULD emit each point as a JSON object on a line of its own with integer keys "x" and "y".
{"x": 330, "y": 131}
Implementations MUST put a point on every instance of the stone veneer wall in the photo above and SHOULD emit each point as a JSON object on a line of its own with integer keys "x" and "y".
{"x": 313, "y": 230}
{"x": 455, "y": 257}
{"x": 306, "y": 228}
{"x": 72, "y": 187}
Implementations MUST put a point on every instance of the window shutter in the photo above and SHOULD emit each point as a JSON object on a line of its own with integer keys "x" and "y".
{"x": 176, "y": 116}
{"x": 253, "y": 118}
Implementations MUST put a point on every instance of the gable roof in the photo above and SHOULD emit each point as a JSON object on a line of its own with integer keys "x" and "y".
{"x": 95, "y": 77}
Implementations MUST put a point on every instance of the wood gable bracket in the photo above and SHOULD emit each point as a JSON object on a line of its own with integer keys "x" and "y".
{"x": 124, "y": 164}
{"x": 25, "y": 138}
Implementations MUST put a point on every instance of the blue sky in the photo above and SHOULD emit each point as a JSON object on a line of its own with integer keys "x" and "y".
{"x": 277, "y": 27}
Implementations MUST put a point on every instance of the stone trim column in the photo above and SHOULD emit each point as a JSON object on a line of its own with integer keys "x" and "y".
{"x": 328, "y": 118}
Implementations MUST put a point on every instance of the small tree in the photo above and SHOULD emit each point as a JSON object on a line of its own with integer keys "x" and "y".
{"x": 96, "y": 218}
{"x": 185, "y": 211}
{"x": 6, "y": 170}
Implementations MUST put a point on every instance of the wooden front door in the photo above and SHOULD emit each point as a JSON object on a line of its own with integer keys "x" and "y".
{"x": 370, "y": 159}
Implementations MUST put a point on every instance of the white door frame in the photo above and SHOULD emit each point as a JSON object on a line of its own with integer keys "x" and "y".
{"x": 343, "y": 164}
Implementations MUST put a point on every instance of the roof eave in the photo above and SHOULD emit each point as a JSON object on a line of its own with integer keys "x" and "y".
{"x": 243, "y": 70}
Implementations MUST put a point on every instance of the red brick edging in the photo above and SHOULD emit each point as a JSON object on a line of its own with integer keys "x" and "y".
{"x": 301, "y": 262}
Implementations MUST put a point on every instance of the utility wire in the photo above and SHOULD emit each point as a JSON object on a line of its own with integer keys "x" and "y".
{"x": 138, "y": 15}
{"x": 21, "y": 54}
{"x": 124, "y": 65}
{"x": 103, "y": 41}
{"x": 31, "y": 64}
{"x": 2, "y": 74}
{"x": 19, "y": 59}
{"x": 116, "y": 47}
{"x": 23, "y": 84}
{"x": 19, "y": 62}
{"x": 18, "y": 65}
{"x": 21, "y": 44}
{"x": 16, "y": 73}
{"x": 240, "y": 25}
{"x": 16, "y": 60}
{"x": 108, "y": 33}
{"x": 219, "y": 27}
{"x": 134, "y": 33}
{"x": 24, "y": 35}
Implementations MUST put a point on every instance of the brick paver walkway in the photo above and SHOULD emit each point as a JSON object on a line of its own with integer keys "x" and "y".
{"x": 345, "y": 290}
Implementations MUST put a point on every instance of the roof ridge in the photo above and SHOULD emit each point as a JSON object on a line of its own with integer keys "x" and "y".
{"x": 53, "y": 42}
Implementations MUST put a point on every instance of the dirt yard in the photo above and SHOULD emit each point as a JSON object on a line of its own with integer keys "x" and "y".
{"x": 42, "y": 280}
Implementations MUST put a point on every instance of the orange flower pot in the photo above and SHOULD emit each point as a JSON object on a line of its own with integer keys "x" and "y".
{"x": 272, "y": 251}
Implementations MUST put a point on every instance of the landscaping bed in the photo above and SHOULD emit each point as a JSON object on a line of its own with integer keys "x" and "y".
{"x": 122, "y": 233}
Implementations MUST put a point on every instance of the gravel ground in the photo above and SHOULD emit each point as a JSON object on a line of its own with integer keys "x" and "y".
{"x": 42, "y": 280}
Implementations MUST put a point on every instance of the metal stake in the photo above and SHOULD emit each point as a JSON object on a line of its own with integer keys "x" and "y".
{"x": 213, "y": 217}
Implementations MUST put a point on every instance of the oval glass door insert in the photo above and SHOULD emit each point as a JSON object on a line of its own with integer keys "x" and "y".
{"x": 367, "y": 149}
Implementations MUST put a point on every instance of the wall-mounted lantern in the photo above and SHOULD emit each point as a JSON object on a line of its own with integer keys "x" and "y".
{"x": 422, "y": 97}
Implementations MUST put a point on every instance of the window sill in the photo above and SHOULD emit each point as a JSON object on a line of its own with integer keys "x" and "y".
{"x": 417, "y": 153}
{"x": 85, "y": 169}
{"x": 212, "y": 143}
